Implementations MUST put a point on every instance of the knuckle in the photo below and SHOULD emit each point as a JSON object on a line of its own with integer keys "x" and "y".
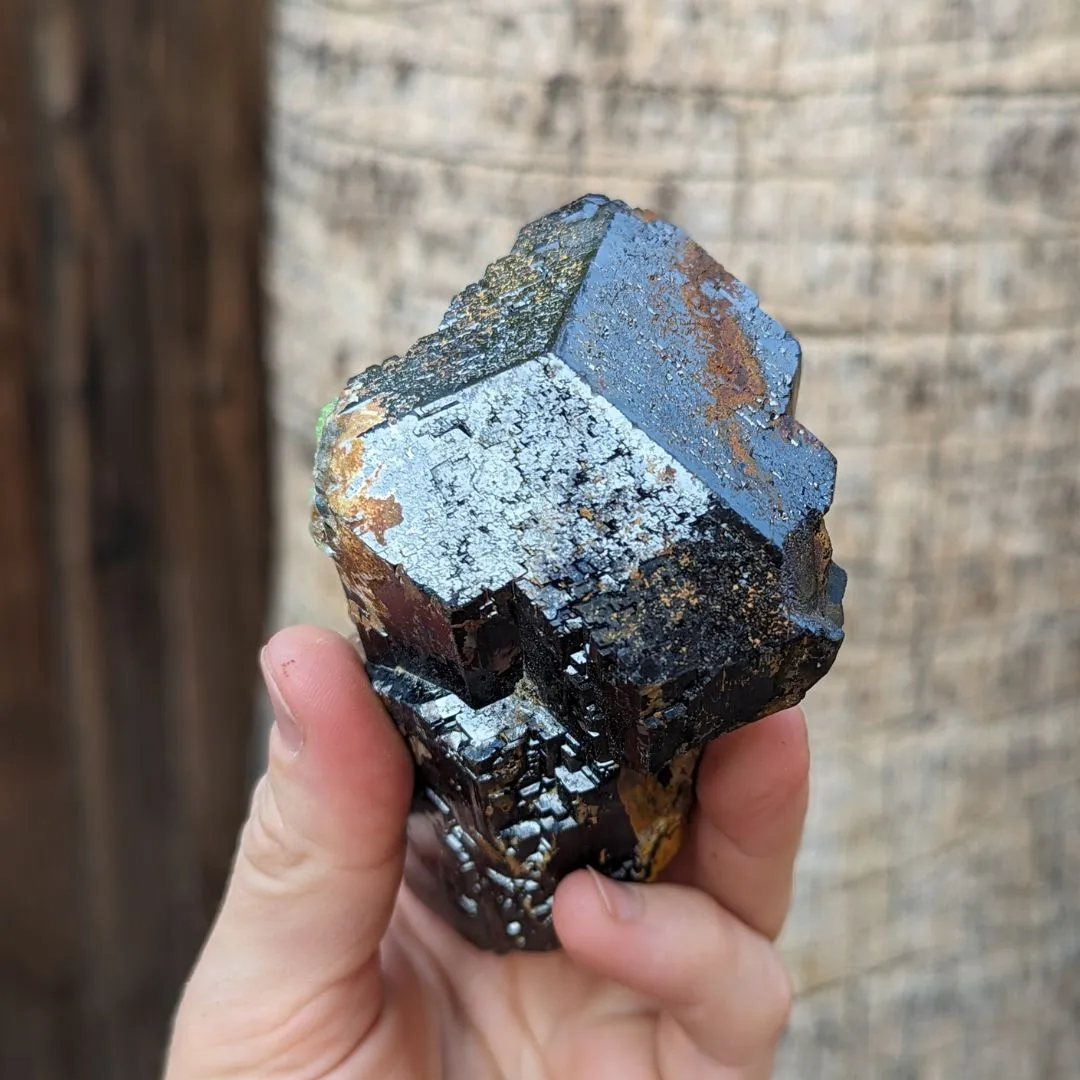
{"x": 268, "y": 846}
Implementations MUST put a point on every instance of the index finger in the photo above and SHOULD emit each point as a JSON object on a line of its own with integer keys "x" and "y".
{"x": 752, "y": 792}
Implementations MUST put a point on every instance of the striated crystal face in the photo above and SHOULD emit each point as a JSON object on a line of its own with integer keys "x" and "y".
{"x": 581, "y": 534}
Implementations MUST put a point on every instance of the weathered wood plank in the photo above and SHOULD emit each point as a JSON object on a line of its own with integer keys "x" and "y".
{"x": 139, "y": 499}
{"x": 901, "y": 183}
{"x": 37, "y": 873}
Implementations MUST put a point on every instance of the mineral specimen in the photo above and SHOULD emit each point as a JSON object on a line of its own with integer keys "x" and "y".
{"x": 581, "y": 534}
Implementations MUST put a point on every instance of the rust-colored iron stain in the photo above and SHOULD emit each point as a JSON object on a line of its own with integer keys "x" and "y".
{"x": 420, "y": 752}
{"x": 644, "y": 214}
{"x": 821, "y": 545}
{"x": 366, "y": 416}
{"x": 658, "y": 812}
{"x": 382, "y": 600}
{"x": 665, "y": 475}
{"x": 669, "y": 590}
{"x": 740, "y": 452}
{"x": 500, "y": 854}
{"x": 376, "y": 515}
{"x": 653, "y": 698}
{"x": 372, "y": 514}
{"x": 732, "y": 374}
{"x": 363, "y": 574}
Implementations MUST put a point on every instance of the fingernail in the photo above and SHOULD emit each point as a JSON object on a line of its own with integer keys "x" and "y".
{"x": 292, "y": 738}
{"x": 622, "y": 902}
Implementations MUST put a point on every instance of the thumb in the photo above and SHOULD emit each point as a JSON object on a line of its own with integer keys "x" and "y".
{"x": 293, "y": 954}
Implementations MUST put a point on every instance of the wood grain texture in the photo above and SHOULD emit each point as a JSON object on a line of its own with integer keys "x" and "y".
{"x": 136, "y": 512}
{"x": 901, "y": 183}
{"x": 37, "y": 873}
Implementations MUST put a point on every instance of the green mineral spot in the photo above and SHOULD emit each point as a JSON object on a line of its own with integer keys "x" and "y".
{"x": 324, "y": 414}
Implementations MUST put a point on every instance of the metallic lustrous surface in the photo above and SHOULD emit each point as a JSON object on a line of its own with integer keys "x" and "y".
{"x": 583, "y": 506}
{"x": 508, "y": 802}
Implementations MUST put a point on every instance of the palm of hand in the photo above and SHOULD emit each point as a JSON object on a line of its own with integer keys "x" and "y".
{"x": 527, "y": 1016}
{"x": 322, "y": 966}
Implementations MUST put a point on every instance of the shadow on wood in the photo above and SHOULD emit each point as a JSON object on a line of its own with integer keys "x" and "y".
{"x": 901, "y": 185}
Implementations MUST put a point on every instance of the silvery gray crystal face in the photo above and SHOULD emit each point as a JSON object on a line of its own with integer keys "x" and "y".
{"x": 591, "y": 476}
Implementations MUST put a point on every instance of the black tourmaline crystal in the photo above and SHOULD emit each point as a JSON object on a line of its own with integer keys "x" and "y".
{"x": 581, "y": 534}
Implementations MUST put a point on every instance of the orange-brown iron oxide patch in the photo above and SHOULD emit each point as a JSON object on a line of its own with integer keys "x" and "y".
{"x": 375, "y": 515}
{"x": 658, "y": 812}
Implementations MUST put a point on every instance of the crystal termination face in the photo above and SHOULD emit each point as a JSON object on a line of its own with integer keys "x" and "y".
{"x": 581, "y": 534}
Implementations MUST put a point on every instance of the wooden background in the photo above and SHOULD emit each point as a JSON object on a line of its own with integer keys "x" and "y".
{"x": 901, "y": 183}
{"x": 135, "y": 509}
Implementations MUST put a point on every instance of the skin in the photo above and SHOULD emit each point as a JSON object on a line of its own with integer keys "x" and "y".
{"x": 321, "y": 964}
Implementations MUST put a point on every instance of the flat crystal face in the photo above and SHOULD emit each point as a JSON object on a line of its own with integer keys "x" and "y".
{"x": 518, "y": 477}
{"x": 590, "y": 477}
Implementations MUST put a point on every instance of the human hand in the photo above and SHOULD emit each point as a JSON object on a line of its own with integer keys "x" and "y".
{"x": 321, "y": 964}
